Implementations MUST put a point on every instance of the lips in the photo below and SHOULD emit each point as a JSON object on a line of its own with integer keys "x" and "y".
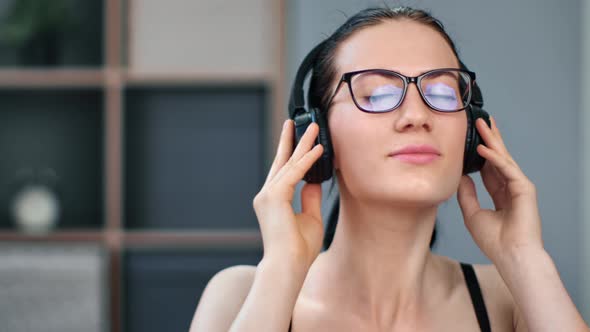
{"x": 416, "y": 154}
{"x": 416, "y": 149}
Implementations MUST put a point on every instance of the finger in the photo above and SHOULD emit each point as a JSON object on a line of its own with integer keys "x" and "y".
{"x": 479, "y": 222}
{"x": 311, "y": 200}
{"x": 303, "y": 147}
{"x": 506, "y": 167}
{"x": 494, "y": 127}
{"x": 518, "y": 186}
{"x": 284, "y": 149}
{"x": 310, "y": 226}
{"x": 307, "y": 141}
{"x": 490, "y": 138}
{"x": 500, "y": 146}
{"x": 497, "y": 133}
{"x": 495, "y": 185}
{"x": 467, "y": 197}
{"x": 292, "y": 175}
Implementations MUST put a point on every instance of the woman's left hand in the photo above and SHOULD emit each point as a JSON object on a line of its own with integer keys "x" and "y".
{"x": 515, "y": 222}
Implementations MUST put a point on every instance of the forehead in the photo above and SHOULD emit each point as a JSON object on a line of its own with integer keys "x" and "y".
{"x": 401, "y": 45}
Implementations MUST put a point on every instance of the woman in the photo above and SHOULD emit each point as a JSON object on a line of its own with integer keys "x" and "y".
{"x": 379, "y": 273}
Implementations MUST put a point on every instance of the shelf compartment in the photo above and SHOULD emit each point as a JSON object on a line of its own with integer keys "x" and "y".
{"x": 154, "y": 279}
{"x": 242, "y": 33}
{"x": 194, "y": 156}
{"x": 53, "y": 287}
{"x": 51, "y": 33}
{"x": 55, "y": 132}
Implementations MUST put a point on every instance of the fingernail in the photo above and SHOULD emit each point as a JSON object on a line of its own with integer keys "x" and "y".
{"x": 285, "y": 123}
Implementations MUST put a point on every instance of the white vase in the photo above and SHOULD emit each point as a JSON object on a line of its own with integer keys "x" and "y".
{"x": 35, "y": 209}
{"x": 35, "y": 205}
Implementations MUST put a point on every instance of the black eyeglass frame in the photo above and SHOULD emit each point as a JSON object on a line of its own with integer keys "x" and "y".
{"x": 347, "y": 77}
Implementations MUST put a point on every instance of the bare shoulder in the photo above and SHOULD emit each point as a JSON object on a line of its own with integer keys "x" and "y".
{"x": 223, "y": 298}
{"x": 497, "y": 297}
{"x": 491, "y": 281}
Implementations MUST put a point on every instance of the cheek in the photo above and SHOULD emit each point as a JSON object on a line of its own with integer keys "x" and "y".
{"x": 455, "y": 147}
{"x": 353, "y": 138}
{"x": 456, "y": 142}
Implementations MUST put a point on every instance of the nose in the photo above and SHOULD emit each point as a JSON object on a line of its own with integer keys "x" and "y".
{"x": 413, "y": 113}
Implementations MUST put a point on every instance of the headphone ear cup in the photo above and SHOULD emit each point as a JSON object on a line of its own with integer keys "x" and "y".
{"x": 323, "y": 167}
{"x": 472, "y": 161}
{"x": 321, "y": 170}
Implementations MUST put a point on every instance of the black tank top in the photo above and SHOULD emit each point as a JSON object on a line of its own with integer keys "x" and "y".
{"x": 476, "y": 298}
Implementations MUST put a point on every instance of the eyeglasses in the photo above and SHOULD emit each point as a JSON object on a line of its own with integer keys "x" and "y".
{"x": 381, "y": 90}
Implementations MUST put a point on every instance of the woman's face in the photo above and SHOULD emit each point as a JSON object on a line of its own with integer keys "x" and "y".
{"x": 363, "y": 142}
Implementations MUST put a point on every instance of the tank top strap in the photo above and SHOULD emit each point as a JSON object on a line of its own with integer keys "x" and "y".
{"x": 476, "y": 297}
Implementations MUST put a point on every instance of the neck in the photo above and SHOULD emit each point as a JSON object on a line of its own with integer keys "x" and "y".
{"x": 381, "y": 255}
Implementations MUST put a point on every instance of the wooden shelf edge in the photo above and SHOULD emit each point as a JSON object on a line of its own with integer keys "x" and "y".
{"x": 30, "y": 78}
{"x": 57, "y": 236}
{"x": 172, "y": 77}
{"x": 197, "y": 238}
{"x": 48, "y": 78}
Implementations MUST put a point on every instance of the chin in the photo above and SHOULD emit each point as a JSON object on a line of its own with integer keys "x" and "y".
{"x": 417, "y": 187}
{"x": 411, "y": 191}
{"x": 411, "y": 199}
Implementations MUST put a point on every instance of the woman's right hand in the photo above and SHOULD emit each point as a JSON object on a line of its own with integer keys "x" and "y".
{"x": 287, "y": 235}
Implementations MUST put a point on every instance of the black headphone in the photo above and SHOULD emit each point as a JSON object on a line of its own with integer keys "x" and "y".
{"x": 322, "y": 168}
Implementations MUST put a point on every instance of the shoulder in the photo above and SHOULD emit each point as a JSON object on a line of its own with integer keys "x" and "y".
{"x": 223, "y": 298}
{"x": 499, "y": 302}
{"x": 500, "y": 306}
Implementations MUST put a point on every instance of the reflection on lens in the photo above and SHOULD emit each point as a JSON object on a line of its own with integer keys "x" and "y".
{"x": 441, "y": 96}
{"x": 442, "y": 89}
{"x": 377, "y": 92}
{"x": 384, "y": 97}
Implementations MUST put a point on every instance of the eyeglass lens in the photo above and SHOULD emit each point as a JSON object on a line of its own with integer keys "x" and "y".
{"x": 380, "y": 91}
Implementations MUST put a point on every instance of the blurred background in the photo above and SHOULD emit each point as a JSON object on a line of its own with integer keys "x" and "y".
{"x": 134, "y": 135}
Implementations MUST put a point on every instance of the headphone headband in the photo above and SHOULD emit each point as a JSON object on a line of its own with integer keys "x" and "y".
{"x": 297, "y": 99}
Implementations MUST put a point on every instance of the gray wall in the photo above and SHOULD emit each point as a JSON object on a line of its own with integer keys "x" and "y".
{"x": 526, "y": 55}
{"x": 584, "y": 133}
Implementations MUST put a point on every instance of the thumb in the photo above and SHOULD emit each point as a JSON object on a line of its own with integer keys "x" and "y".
{"x": 467, "y": 197}
{"x": 311, "y": 200}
